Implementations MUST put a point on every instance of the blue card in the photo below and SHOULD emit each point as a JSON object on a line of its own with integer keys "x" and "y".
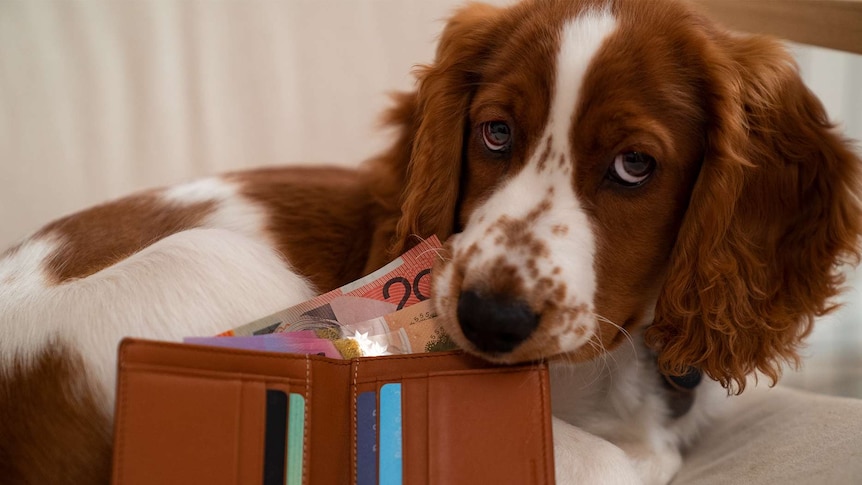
{"x": 366, "y": 438}
{"x": 390, "y": 434}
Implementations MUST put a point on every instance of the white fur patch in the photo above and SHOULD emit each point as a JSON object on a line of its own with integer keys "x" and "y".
{"x": 580, "y": 40}
{"x": 232, "y": 210}
{"x": 198, "y": 282}
{"x": 198, "y": 191}
{"x": 542, "y": 196}
{"x": 618, "y": 398}
{"x": 22, "y": 270}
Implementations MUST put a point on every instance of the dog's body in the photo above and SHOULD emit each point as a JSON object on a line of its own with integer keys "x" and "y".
{"x": 596, "y": 168}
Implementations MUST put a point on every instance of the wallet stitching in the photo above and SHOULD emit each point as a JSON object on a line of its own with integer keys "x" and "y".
{"x": 238, "y": 432}
{"x": 122, "y": 426}
{"x": 186, "y": 348}
{"x": 261, "y": 445}
{"x": 542, "y": 390}
{"x": 305, "y": 447}
{"x": 204, "y": 374}
{"x": 355, "y": 425}
{"x": 426, "y": 355}
{"x": 454, "y": 373}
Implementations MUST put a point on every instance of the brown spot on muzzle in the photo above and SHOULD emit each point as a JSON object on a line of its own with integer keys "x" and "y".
{"x": 517, "y": 235}
{"x": 504, "y": 279}
{"x": 546, "y": 154}
{"x": 560, "y": 229}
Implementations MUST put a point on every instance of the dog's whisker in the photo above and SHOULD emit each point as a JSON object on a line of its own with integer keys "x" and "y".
{"x": 441, "y": 253}
{"x": 595, "y": 367}
{"x": 622, "y": 330}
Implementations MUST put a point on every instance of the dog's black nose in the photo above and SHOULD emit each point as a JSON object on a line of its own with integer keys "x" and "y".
{"x": 495, "y": 323}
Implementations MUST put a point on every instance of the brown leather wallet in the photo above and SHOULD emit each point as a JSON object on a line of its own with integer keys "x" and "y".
{"x": 191, "y": 414}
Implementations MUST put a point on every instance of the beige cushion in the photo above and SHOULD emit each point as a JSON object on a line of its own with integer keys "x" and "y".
{"x": 780, "y": 436}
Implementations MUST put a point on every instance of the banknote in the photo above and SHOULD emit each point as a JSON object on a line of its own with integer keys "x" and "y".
{"x": 294, "y": 342}
{"x": 414, "y": 329}
{"x": 398, "y": 285}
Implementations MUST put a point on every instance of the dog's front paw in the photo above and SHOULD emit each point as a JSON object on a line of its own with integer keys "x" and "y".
{"x": 582, "y": 458}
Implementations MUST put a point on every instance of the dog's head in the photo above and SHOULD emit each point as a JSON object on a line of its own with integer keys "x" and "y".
{"x": 603, "y": 166}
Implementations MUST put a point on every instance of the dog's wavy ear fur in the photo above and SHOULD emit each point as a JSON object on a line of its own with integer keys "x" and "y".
{"x": 774, "y": 211}
{"x": 424, "y": 165}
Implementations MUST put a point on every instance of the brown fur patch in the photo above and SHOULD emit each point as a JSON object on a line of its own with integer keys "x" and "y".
{"x": 472, "y": 251}
{"x": 323, "y": 220}
{"x": 532, "y": 268}
{"x": 106, "y": 234}
{"x": 52, "y": 428}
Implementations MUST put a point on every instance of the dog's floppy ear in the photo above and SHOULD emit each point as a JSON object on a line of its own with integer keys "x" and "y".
{"x": 427, "y": 155}
{"x": 774, "y": 211}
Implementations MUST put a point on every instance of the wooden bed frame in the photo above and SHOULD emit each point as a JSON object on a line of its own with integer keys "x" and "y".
{"x": 834, "y": 24}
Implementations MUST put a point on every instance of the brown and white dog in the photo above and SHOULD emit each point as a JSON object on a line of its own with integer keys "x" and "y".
{"x": 596, "y": 167}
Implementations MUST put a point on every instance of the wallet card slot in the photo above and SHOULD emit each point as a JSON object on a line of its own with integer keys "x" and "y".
{"x": 487, "y": 427}
{"x": 415, "y": 398}
{"x": 218, "y": 359}
{"x": 326, "y": 451}
{"x": 252, "y": 425}
{"x": 189, "y": 429}
{"x": 298, "y": 385}
{"x": 393, "y": 367}
{"x": 448, "y": 414}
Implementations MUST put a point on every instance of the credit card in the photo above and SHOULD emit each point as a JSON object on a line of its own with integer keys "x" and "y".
{"x": 390, "y": 434}
{"x": 274, "y": 437}
{"x": 366, "y": 438}
{"x": 295, "y": 435}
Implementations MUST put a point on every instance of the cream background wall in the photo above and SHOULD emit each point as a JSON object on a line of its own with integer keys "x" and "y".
{"x": 100, "y": 98}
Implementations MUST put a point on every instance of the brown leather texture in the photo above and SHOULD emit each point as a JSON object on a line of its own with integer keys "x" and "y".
{"x": 193, "y": 414}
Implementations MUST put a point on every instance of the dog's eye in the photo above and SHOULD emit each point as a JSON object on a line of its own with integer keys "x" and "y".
{"x": 497, "y": 136}
{"x": 631, "y": 168}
